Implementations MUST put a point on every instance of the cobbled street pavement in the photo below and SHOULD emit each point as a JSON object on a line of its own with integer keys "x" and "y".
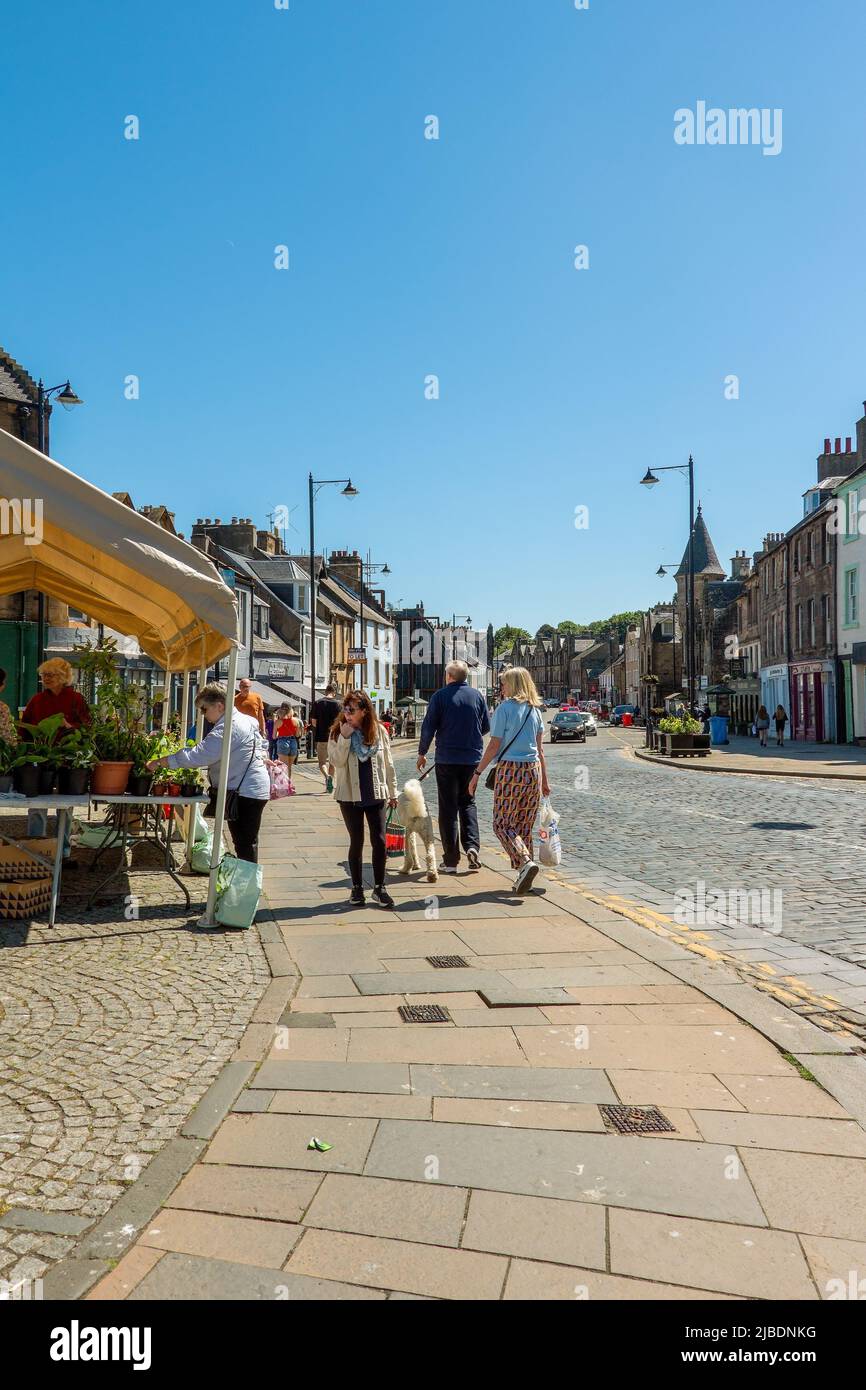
{"x": 635, "y": 834}
{"x": 110, "y": 1033}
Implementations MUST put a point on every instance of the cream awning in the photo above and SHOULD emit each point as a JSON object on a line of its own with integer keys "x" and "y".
{"x": 99, "y": 555}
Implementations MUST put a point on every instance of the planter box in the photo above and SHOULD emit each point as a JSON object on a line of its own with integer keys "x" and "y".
{"x": 684, "y": 745}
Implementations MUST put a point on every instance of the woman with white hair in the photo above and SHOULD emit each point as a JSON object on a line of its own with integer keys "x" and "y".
{"x": 57, "y": 696}
{"x": 515, "y": 746}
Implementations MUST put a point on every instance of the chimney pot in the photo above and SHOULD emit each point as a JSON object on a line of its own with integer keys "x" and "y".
{"x": 234, "y": 521}
{"x": 838, "y": 449}
{"x": 826, "y": 445}
{"x": 847, "y": 444}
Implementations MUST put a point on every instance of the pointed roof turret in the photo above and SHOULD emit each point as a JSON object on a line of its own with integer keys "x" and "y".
{"x": 706, "y": 559}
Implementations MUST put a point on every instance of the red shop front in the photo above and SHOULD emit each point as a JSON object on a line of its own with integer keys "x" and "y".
{"x": 807, "y": 698}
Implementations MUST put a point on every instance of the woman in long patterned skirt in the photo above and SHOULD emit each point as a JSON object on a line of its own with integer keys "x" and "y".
{"x": 516, "y": 734}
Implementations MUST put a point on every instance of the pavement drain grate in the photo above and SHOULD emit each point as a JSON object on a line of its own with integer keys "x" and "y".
{"x": 424, "y": 1013}
{"x": 447, "y": 962}
{"x": 636, "y": 1119}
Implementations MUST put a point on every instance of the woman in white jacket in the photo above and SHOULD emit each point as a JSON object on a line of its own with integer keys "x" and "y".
{"x": 364, "y": 782}
{"x": 247, "y": 774}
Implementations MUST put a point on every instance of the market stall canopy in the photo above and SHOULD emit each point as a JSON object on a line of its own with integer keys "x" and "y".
{"x": 69, "y": 539}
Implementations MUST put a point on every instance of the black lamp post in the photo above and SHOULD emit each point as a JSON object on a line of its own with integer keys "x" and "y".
{"x": 368, "y": 569}
{"x": 347, "y": 491}
{"x": 67, "y": 398}
{"x": 464, "y": 620}
{"x": 649, "y": 480}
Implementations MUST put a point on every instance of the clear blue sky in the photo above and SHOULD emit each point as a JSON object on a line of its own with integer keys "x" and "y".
{"x": 410, "y": 257}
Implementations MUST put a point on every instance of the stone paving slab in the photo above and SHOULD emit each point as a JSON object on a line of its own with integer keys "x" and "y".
{"x": 391, "y": 1107}
{"x": 810, "y": 1193}
{"x": 415, "y": 1211}
{"x": 794, "y": 1133}
{"x": 333, "y": 1076}
{"x": 517, "y": 1114}
{"x": 280, "y": 1141}
{"x": 683, "y": 1179}
{"x": 833, "y": 1262}
{"x": 538, "y": 1228}
{"x": 512, "y": 1083}
{"x": 782, "y": 1095}
{"x": 273, "y": 1194}
{"x": 744, "y": 1260}
{"x": 530, "y": 1280}
{"x": 698, "y": 1089}
{"x": 433, "y": 1043}
{"x": 401, "y": 1265}
{"x": 683, "y": 1047}
{"x": 187, "y": 1277}
{"x": 427, "y": 981}
{"x": 215, "y": 1236}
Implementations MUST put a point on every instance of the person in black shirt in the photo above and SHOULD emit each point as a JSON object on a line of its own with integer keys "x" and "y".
{"x": 322, "y": 716}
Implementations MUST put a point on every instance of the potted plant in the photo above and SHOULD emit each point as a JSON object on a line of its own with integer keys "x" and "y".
{"x": 7, "y": 758}
{"x": 116, "y": 714}
{"x": 681, "y": 733}
{"x": 144, "y": 748}
{"x": 77, "y": 756}
{"x": 35, "y": 763}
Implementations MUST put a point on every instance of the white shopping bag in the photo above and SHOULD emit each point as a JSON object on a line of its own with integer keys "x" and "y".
{"x": 550, "y": 847}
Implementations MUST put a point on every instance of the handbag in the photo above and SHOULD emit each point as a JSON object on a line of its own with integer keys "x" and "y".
{"x": 490, "y": 779}
{"x": 233, "y": 804}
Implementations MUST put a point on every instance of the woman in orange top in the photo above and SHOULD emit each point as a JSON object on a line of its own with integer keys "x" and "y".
{"x": 287, "y": 731}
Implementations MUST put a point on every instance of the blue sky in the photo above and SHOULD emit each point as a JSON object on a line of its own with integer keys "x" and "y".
{"x": 411, "y": 257}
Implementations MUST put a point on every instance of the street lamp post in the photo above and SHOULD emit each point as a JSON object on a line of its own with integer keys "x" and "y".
{"x": 347, "y": 491}
{"x": 464, "y": 620}
{"x": 649, "y": 480}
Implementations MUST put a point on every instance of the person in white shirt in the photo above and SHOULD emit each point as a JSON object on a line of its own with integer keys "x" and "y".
{"x": 247, "y": 773}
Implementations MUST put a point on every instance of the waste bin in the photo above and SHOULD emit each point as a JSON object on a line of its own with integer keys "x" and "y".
{"x": 627, "y": 721}
{"x": 718, "y": 728}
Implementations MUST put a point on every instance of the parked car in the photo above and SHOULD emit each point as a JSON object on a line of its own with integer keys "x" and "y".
{"x": 618, "y": 711}
{"x": 589, "y": 724}
{"x": 568, "y": 724}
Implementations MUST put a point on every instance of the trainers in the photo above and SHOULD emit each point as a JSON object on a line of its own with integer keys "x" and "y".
{"x": 474, "y": 862}
{"x": 525, "y": 876}
{"x": 357, "y": 898}
{"x": 447, "y": 868}
{"x": 329, "y": 784}
{"x": 381, "y": 896}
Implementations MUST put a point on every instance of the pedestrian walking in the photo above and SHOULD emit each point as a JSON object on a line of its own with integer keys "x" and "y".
{"x": 287, "y": 728}
{"x": 247, "y": 773}
{"x": 248, "y": 702}
{"x": 269, "y": 735}
{"x": 781, "y": 720}
{"x": 322, "y": 716}
{"x": 762, "y": 724}
{"x": 364, "y": 784}
{"x": 516, "y": 747}
{"x": 457, "y": 719}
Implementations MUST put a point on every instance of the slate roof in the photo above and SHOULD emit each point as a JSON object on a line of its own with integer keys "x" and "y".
{"x": 15, "y": 383}
{"x": 706, "y": 559}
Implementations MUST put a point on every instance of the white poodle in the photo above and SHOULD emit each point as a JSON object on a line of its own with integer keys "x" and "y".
{"x": 413, "y": 815}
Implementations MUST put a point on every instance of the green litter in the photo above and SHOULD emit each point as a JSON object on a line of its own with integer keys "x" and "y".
{"x": 319, "y": 1145}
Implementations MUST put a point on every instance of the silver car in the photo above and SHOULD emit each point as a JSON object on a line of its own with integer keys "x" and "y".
{"x": 589, "y": 724}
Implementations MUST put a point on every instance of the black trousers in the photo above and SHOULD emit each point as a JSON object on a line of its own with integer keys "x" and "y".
{"x": 354, "y": 817}
{"x": 456, "y": 805}
{"x": 245, "y": 830}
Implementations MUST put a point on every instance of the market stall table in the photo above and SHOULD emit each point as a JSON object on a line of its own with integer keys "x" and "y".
{"x": 120, "y": 833}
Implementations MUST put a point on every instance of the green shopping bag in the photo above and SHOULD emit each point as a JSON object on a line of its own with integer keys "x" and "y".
{"x": 239, "y": 886}
{"x": 200, "y": 855}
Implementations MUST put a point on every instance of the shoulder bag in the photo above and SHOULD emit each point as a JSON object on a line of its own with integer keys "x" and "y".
{"x": 490, "y": 779}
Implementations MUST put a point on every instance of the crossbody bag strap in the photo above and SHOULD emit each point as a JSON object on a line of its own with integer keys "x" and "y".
{"x": 503, "y": 751}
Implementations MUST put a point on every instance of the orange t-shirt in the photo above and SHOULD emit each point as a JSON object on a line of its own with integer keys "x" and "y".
{"x": 251, "y": 704}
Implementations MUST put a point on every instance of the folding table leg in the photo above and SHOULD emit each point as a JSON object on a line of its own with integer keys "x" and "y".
{"x": 58, "y": 862}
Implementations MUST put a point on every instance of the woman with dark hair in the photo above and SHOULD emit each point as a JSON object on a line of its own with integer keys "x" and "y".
{"x": 364, "y": 781}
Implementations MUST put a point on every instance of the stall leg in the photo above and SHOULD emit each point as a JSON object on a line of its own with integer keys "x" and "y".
{"x": 58, "y": 863}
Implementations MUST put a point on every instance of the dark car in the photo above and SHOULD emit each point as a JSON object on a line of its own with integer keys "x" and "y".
{"x": 618, "y": 711}
{"x": 567, "y": 724}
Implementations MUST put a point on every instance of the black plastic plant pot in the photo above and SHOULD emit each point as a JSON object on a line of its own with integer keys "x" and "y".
{"x": 73, "y": 781}
{"x": 47, "y": 779}
{"x": 140, "y": 784}
{"x": 26, "y": 779}
{"x": 6, "y": 782}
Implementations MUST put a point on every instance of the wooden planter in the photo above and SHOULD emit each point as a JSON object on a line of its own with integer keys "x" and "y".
{"x": 683, "y": 745}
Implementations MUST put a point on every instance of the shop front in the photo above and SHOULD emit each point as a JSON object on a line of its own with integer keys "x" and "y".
{"x": 776, "y": 689}
{"x": 813, "y": 701}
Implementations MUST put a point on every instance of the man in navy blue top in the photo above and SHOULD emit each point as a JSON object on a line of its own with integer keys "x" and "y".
{"x": 457, "y": 718}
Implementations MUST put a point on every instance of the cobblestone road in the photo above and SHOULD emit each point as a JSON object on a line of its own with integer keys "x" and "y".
{"x": 110, "y": 1032}
{"x": 632, "y": 829}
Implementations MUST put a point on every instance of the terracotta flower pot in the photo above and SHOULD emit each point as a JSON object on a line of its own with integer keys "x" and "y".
{"x": 110, "y": 779}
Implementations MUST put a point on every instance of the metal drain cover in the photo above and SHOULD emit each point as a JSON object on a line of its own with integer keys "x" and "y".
{"x": 424, "y": 1013}
{"x": 636, "y": 1119}
{"x": 447, "y": 962}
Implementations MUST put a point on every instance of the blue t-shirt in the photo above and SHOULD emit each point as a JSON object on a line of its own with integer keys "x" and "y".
{"x": 507, "y": 719}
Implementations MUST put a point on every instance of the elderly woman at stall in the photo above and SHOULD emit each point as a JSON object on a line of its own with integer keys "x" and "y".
{"x": 57, "y": 696}
{"x": 247, "y": 772}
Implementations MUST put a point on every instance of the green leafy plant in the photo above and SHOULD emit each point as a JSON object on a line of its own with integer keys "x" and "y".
{"x": 144, "y": 748}
{"x": 77, "y": 749}
{"x": 39, "y": 746}
{"x": 8, "y": 752}
{"x": 674, "y": 724}
{"x": 117, "y": 709}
